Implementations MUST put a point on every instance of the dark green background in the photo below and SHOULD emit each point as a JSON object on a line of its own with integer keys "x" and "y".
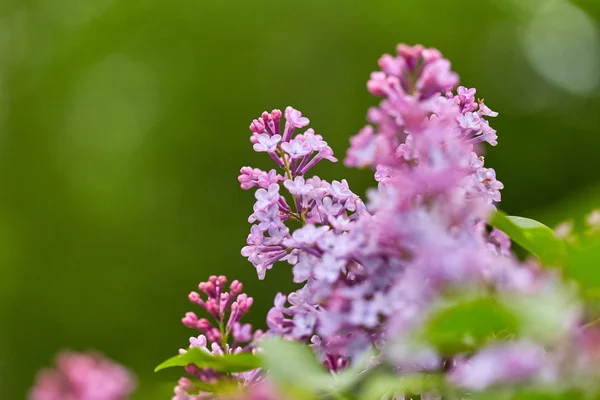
{"x": 123, "y": 125}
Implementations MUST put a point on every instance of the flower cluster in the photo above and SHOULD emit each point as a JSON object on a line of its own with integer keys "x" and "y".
{"x": 229, "y": 335}
{"x": 373, "y": 273}
{"x": 363, "y": 268}
{"x": 324, "y": 208}
{"x": 83, "y": 376}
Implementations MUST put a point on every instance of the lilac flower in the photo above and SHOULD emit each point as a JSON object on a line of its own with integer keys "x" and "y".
{"x": 363, "y": 149}
{"x": 265, "y": 198}
{"x": 269, "y": 217}
{"x": 249, "y": 177}
{"x": 372, "y": 277}
{"x": 267, "y": 143}
{"x": 466, "y": 96}
{"x": 298, "y": 186}
{"x": 329, "y": 208}
{"x": 83, "y": 376}
{"x": 436, "y": 77}
{"x": 303, "y": 269}
{"x": 490, "y": 186}
{"x": 304, "y": 325}
{"x": 266, "y": 179}
{"x": 275, "y": 317}
{"x": 501, "y": 363}
{"x": 469, "y": 122}
{"x": 329, "y": 268}
{"x": 485, "y": 110}
{"x": 313, "y": 141}
{"x": 227, "y": 307}
{"x": 296, "y": 148}
{"x": 340, "y": 190}
{"x": 306, "y": 236}
{"x": 294, "y": 119}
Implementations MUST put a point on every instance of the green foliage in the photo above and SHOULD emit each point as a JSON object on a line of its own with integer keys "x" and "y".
{"x": 530, "y": 394}
{"x": 468, "y": 324}
{"x": 383, "y": 386}
{"x": 294, "y": 364}
{"x": 533, "y": 236}
{"x": 584, "y": 266}
{"x": 226, "y": 363}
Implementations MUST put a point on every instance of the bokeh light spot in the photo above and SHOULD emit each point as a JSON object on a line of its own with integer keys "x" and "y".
{"x": 561, "y": 43}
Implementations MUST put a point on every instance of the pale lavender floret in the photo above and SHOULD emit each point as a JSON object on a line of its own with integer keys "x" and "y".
{"x": 490, "y": 185}
{"x": 265, "y": 198}
{"x": 294, "y": 119}
{"x": 485, "y": 110}
{"x": 304, "y": 325}
{"x": 266, "y": 179}
{"x": 329, "y": 208}
{"x": 436, "y": 77}
{"x": 501, "y": 240}
{"x": 340, "y": 190}
{"x": 329, "y": 268}
{"x": 296, "y": 148}
{"x": 367, "y": 312}
{"x": 303, "y": 269}
{"x": 341, "y": 223}
{"x": 267, "y": 143}
{"x": 306, "y": 236}
{"x": 465, "y": 95}
{"x": 363, "y": 149}
{"x": 313, "y": 141}
{"x": 269, "y": 217}
{"x": 256, "y": 236}
{"x": 469, "y": 122}
{"x": 298, "y": 186}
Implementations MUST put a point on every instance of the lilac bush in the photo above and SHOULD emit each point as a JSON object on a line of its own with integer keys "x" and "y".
{"x": 413, "y": 292}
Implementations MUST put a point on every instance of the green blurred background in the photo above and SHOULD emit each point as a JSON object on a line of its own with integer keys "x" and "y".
{"x": 123, "y": 125}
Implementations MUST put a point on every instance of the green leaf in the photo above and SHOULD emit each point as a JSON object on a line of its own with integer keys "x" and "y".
{"x": 584, "y": 266}
{"x": 529, "y": 394}
{"x": 534, "y": 237}
{"x": 468, "y": 324}
{"x": 226, "y": 363}
{"x": 294, "y": 364}
{"x": 384, "y": 386}
{"x": 542, "y": 315}
{"x": 356, "y": 372}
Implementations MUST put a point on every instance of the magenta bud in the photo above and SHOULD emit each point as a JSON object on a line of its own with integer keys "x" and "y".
{"x": 276, "y": 114}
{"x": 194, "y": 297}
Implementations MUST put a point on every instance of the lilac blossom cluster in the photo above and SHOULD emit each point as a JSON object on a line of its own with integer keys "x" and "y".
{"x": 375, "y": 272}
{"x": 315, "y": 203}
{"x": 229, "y": 335}
{"x": 83, "y": 376}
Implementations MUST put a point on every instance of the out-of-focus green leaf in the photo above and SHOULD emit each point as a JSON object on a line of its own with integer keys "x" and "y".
{"x": 584, "y": 266}
{"x": 531, "y": 394}
{"x": 384, "y": 386}
{"x": 225, "y": 363}
{"x": 534, "y": 237}
{"x": 468, "y": 324}
{"x": 545, "y": 315}
{"x": 294, "y": 364}
{"x": 356, "y": 372}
